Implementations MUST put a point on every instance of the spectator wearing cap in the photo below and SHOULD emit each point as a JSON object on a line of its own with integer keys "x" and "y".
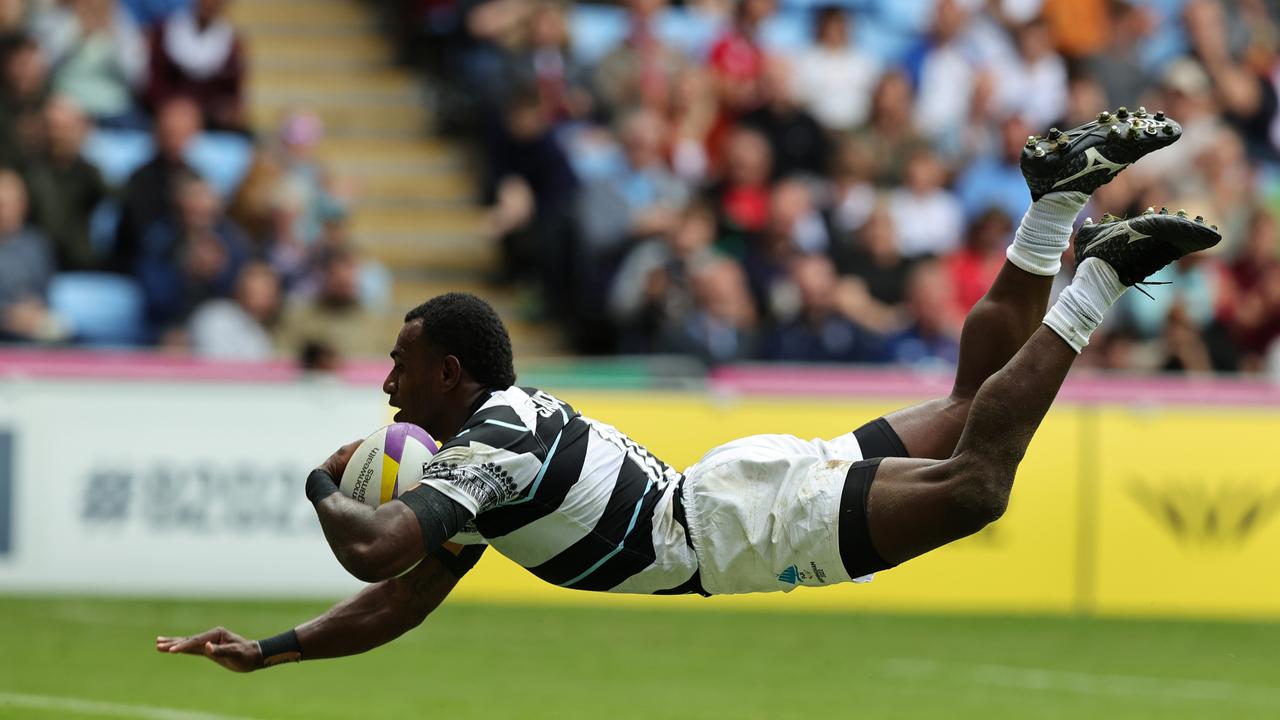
{"x": 189, "y": 258}
{"x": 834, "y": 80}
{"x": 65, "y": 188}
{"x": 240, "y": 327}
{"x": 99, "y": 56}
{"x": 148, "y": 195}
{"x": 26, "y": 266}
{"x": 197, "y": 53}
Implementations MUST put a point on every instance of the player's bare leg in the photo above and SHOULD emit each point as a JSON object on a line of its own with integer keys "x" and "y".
{"x": 1061, "y": 170}
{"x": 916, "y": 505}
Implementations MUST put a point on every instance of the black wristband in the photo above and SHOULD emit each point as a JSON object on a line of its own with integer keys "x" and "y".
{"x": 320, "y": 485}
{"x": 280, "y": 648}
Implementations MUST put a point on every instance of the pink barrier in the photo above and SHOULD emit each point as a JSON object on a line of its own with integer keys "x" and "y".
{"x": 750, "y": 380}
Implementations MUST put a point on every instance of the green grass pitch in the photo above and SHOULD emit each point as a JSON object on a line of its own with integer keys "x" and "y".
{"x": 88, "y": 658}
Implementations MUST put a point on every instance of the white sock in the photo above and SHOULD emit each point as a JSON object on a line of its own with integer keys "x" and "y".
{"x": 1082, "y": 304}
{"x": 1045, "y": 232}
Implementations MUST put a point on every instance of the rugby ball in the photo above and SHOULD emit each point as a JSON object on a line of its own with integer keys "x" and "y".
{"x": 387, "y": 463}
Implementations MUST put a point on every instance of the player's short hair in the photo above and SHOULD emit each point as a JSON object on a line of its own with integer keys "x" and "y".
{"x": 463, "y": 325}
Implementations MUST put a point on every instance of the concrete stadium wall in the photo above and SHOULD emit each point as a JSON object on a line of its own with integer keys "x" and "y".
{"x": 1132, "y": 500}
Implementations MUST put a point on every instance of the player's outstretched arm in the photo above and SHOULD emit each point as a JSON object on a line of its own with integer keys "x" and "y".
{"x": 375, "y": 616}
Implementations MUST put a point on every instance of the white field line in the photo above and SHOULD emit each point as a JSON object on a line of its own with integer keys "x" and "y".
{"x": 104, "y": 709}
{"x": 1090, "y": 684}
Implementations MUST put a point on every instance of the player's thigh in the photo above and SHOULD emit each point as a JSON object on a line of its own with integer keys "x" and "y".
{"x": 912, "y": 506}
{"x": 930, "y": 429}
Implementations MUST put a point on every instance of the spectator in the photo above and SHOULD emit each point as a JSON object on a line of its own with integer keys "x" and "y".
{"x": 722, "y": 325}
{"x": 334, "y": 321}
{"x": 189, "y": 258}
{"x": 652, "y": 288}
{"x": 1251, "y": 307}
{"x": 875, "y": 285}
{"x": 890, "y": 136}
{"x": 741, "y": 198}
{"x": 530, "y": 189}
{"x": 996, "y": 182}
{"x": 100, "y": 59}
{"x": 1035, "y": 83}
{"x": 642, "y": 199}
{"x": 928, "y": 218}
{"x": 799, "y": 144}
{"x": 239, "y": 327}
{"x": 643, "y": 70}
{"x": 933, "y": 335}
{"x": 197, "y": 53}
{"x": 547, "y": 64}
{"x": 22, "y": 98}
{"x": 853, "y": 193}
{"x": 948, "y": 73}
{"x": 737, "y": 60}
{"x": 795, "y": 228}
{"x": 148, "y": 195}
{"x": 26, "y": 266}
{"x": 834, "y": 80}
{"x": 65, "y": 188}
{"x": 974, "y": 267}
{"x": 1119, "y": 65}
{"x": 818, "y": 332}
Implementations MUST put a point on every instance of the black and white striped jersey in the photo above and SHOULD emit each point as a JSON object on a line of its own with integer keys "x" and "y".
{"x": 573, "y": 500}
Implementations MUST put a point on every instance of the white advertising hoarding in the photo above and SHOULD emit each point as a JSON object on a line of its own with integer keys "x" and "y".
{"x": 132, "y": 487}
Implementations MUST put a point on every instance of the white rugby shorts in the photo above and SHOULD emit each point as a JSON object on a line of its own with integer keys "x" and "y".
{"x": 763, "y": 513}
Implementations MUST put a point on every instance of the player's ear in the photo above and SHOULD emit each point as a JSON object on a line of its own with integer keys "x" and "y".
{"x": 450, "y": 373}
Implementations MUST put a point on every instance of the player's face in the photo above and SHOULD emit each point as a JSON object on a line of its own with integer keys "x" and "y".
{"x": 408, "y": 385}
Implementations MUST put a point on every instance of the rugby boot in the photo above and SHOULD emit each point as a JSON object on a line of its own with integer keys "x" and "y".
{"x": 1088, "y": 157}
{"x": 1138, "y": 247}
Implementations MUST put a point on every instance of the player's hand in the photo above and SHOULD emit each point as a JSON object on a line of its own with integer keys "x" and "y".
{"x": 337, "y": 462}
{"x": 219, "y": 645}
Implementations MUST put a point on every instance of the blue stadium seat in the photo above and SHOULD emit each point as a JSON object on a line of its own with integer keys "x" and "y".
{"x": 596, "y": 29}
{"x": 222, "y": 159}
{"x": 103, "y": 309}
{"x": 117, "y": 153}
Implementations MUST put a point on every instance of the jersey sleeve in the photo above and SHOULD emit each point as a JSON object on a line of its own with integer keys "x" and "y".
{"x": 481, "y": 470}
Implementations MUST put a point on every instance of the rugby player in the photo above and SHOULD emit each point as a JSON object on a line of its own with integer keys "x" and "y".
{"x": 581, "y": 505}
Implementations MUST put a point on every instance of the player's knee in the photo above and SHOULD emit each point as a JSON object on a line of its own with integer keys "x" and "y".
{"x": 979, "y": 495}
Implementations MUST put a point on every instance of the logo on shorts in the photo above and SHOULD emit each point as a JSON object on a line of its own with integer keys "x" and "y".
{"x": 790, "y": 576}
{"x": 793, "y": 575}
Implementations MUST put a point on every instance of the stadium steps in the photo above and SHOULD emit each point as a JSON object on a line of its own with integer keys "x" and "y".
{"x": 416, "y": 211}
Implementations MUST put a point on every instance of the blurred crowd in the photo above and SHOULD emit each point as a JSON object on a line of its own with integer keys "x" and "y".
{"x": 779, "y": 180}
{"x": 138, "y": 209}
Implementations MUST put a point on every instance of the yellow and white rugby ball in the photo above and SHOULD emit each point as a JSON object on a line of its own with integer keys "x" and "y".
{"x": 387, "y": 463}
